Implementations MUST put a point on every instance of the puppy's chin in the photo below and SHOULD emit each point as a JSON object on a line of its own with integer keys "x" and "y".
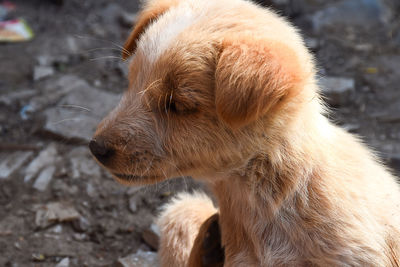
{"x": 136, "y": 180}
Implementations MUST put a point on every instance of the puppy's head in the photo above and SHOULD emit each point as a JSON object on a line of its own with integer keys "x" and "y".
{"x": 199, "y": 92}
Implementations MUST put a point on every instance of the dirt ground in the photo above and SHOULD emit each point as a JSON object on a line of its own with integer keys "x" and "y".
{"x": 58, "y": 208}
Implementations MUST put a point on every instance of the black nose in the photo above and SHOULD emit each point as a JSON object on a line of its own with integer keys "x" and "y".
{"x": 100, "y": 150}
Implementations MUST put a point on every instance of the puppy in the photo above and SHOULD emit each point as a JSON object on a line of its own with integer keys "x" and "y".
{"x": 225, "y": 91}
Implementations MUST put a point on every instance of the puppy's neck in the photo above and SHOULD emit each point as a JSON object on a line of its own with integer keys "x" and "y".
{"x": 252, "y": 198}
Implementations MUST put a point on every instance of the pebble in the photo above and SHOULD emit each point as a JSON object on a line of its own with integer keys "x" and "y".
{"x": 53, "y": 89}
{"x": 45, "y": 176}
{"x": 82, "y": 163}
{"x": 76, "y": 118}
{"x": 45, "y": 158}
{"x": 81, "y": 224}
{"x": 40, "y": 72}
{"x": 54, "y": 212}
{"x": 152, "y": 236}
{"x": 11, "y": 162}
{"x": 63, "y": 263}
{"x": 139, "y": 259}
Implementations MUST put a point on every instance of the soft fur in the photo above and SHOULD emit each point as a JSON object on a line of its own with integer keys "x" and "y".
{"x": 225, "y": 91}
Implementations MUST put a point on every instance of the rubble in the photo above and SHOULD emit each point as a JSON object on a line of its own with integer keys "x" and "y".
{"x": 63, "y": 263}
{"x": 82, "y": 163}
{"x": 76, "y": 118}
{"x": 40, "y": 72}
{"x": 46, "y": 157}
{"x": 54, "y": 212}
{"x": 81, "y": 224}
{"x": 152, "y": 236}
{"x": 44, "y": 178}
{"x": 55, "y": 88}
{"x": 337, "y": 89}
{"x": 9, "y": 163}
{"x": 139, "y": 259}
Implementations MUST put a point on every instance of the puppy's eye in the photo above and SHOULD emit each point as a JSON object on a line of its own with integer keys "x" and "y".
{"x": 172, "y": 107}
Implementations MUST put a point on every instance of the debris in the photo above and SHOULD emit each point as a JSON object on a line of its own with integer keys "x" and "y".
{"x": 76, "y": 118}
{"x": 15, "y": 31}
{"x": 139, "y": 259}
{"x": 152, "y": 236}
{"x": 44, "y": 178}
{"x": 9, "y": 163}
{"x": 40, "y": 72}
{"x": 63, "y": 263}
{"x": 54, "y": 212}
{"x": 38, "y": 257}
{"x": 45, "y": 158}
{"x": 82, "y": 163}
{"x": 337, "y": 89}
{"x": 134, "y": 201}
{"x": 371, "y": 70}
{"x": 55, "y": 88}
{"x": 81, "y": 225}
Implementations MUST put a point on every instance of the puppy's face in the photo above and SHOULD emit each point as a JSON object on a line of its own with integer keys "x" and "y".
{"x": 194, "y": 101}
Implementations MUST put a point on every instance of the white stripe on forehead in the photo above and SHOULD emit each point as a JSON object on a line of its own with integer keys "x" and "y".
{"x": 159, "y": 36}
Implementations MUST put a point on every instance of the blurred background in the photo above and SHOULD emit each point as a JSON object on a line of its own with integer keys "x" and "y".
{"x": 62, "y": 72}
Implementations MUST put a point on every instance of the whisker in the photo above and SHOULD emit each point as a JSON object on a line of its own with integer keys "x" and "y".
{"x": 75, "y": 106}
{"x": 106, "y": 57}
{"x": 104, "y": 40}
{"x": 64, "y": 120}
{"x": 103, "y": 48}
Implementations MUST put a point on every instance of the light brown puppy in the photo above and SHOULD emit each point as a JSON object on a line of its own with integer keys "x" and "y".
{"x": 225, "y": 91}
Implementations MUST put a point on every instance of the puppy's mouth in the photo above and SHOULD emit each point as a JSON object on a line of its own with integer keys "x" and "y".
{"x": 133, "y": 177}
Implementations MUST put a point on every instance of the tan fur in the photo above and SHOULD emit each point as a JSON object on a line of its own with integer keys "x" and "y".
{"x": 179, "y": 223}
{"x": 232, "y": 100}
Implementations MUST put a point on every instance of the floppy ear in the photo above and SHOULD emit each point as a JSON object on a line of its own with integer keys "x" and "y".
{"x": 151, "y": 11}
{"x": 252, "y": 77}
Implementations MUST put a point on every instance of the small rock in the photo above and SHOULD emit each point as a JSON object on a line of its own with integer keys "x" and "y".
{"x": 56, "y": 229}
{"x": 45, "y": 158}
{"x": 9, "y": 163}
{"x": 82, "y": 163}
{"x": 49, "y": 60}
{"x": 133, "y": 204}
{"x": 76, "y": 117}
{"x": 44, "y": 178}
{"x": 152, "y": 236}
{"x": 139, "y": 259}
{"x": 41, "y": 72}
{"x": 337, "y": 89}
{"x": 63, "y": 263}
{"x": 54, "y": 88}
{"x": 90, "y": 190}
{"x": 81, "y": 225}
{"x": 54, "y": 212}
